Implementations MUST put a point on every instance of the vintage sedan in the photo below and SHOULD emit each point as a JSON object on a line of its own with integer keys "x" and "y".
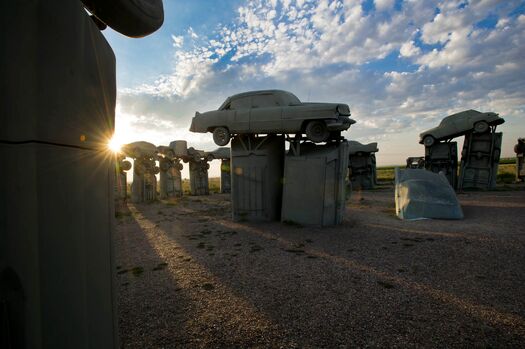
{"x": 271, "y": 112}
{"x": 459, "y": 124}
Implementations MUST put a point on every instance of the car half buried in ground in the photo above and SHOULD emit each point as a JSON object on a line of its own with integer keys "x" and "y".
{"x": 271, "y": 112}
{"x": 458, "y": 124}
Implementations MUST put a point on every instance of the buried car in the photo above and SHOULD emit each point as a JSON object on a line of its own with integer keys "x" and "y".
{"x": 460, "y": 123}
{"x": 270, "y": 112}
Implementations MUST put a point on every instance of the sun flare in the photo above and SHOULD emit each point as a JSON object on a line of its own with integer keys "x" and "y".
{"x": 115, "y": 144}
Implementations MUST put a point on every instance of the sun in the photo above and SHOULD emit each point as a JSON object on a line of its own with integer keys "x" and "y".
{"x": 114, "y": 144}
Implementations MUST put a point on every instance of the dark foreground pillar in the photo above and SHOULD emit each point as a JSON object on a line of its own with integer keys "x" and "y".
{"x": 56, "y": 182}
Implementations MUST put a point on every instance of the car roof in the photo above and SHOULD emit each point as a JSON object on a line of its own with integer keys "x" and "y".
{"x": 258, "y": 92}
{"x": 255, "y": 93}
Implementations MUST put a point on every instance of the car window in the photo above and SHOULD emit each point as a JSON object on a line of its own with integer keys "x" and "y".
{"x": 290, "y": 99}
{"x": 241, "y": 103}
{"x": 265, "y": 101}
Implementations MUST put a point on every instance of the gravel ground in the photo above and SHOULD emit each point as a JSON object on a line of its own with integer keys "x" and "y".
{"x": 189, "y": 277}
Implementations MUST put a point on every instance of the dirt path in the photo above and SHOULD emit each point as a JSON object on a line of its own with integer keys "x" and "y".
{"x": 190, "y": 277}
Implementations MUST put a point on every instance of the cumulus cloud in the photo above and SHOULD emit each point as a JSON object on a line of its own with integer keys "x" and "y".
{"x": 446, "y": 60}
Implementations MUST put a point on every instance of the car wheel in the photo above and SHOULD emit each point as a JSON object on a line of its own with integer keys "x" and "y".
{"x": 481, "y": 127}
{"x": 317, "y": 132}
{"x": 428, "y": 141}
{"x": 221, "y": 136}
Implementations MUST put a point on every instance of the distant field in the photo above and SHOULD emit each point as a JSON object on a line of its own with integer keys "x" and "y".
{"x": 213, "y": 182}
{"x": 506, "y": 171}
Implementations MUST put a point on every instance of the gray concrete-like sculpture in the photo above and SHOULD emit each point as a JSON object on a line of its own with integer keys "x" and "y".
{"x": 459, "y": 124}
{"x": 170, "y": 178}
{"x": 198, "y": 166}
{"x": 315, "y": 183}
{"x": 362, "y": 165}
{"x": 480, "y": 160}
{"x": 144, "y": 185}
{"x": 443, "y": 157}
{"x": 121, "y": 183}
{"x": 272, "y": 112}
{"x": 257, "y": 162}
{"x": 519, "y": 149}
{"x": 56, "y": 205}
{"x": 423, "y": 194}
{"x": 480, "y": 154}
{"x": 223, "y": 154}
{"x": 416, "y": 162}
{"x": 257, "y": 169}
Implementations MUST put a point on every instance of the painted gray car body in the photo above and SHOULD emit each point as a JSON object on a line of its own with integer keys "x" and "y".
{"x": 270, "y": 111}
{"x": 460, "y": 123}
{"x": 140, "y": 149}
{"x": 221, "y": 153}
{"x": 356, "y": 147}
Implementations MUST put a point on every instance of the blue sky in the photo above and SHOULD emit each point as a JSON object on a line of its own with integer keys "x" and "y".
{"x": 400, "y": 65}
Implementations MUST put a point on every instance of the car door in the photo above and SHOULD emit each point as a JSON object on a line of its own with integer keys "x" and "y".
{"x": 241, "y": 121}
{"x": 265, "y": 114}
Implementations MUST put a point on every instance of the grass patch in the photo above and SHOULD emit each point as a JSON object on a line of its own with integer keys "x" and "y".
{"x": 137, "y": 271}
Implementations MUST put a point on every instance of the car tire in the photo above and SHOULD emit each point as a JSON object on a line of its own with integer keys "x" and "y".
{"x": 221, "y": 136}
{"x": 317, "y": 132}
{"x": 428, "y": 141}
{"x": 481, "y": 127}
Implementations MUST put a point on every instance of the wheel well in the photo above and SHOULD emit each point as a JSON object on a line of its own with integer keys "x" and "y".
{"x": 306, "y": 122}
{"x": 212, "y": 128}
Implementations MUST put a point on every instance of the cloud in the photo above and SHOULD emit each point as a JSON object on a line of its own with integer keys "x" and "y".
{"x": 400, "y": 69}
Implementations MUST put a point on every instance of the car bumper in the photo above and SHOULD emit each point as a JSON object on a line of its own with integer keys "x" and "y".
{"x": 341, "y": 124}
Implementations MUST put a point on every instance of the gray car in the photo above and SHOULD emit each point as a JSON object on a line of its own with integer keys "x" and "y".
{"x": 270, "y": 112}
{"x": 459, "y": 124}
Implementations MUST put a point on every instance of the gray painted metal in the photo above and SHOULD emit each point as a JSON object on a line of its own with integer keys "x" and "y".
{"x": 270, "y": 112}
{"x": 257, "y": 170}
{"x": 135, "y": 18}
{"x": 170, "y": 179}
{"x": 480, "y": 160}
{"x": 460, "y": 124}
{"x": 362, "y": 165}
{"x": 226, "y": 179}
{"x": 424, "y": 194}
{"x": 416, "y": 162}
{"x": 519, "y": 149}
{"x": 219, "y": 154}
{"x": 121, "y": 185}
{"x": 199, "y": 177}
{"x": 56, "y": 183}
{"x": 180, "y": 148}
{"x": 443, "y": 157}
{"x": 314, "y": 190}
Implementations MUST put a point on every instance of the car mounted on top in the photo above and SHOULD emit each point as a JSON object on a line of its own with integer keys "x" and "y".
{"x": 271, "y": 112}
{"x": 458, "y": 124}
